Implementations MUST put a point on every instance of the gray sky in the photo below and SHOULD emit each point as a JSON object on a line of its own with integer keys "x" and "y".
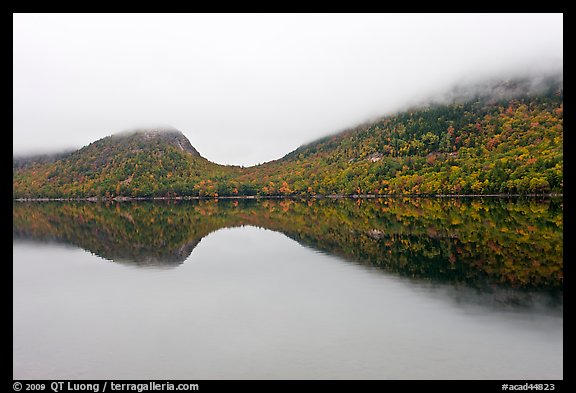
{"x": 249, "y": 88}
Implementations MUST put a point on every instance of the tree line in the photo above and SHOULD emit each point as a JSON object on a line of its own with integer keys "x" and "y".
{"x": 510, "y": 146}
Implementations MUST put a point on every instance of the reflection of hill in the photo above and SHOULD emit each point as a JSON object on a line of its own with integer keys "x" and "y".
{"x": 515, "y": 243}
{"x": 146, "y": 234}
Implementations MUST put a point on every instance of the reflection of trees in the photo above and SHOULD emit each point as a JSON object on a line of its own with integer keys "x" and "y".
{"x": 506, "y": 242}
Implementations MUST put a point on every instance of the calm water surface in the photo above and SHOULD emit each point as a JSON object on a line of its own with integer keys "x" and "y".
{"x": 388, "y": 289}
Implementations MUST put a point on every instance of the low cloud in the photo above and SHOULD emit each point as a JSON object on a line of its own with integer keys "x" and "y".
{"x": 249, "y": 88}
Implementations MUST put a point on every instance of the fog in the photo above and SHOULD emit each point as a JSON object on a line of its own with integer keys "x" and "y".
{"x": 249, "y": 88}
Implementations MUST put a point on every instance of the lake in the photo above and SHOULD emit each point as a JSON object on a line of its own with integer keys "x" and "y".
{"x": 391, "y": 288}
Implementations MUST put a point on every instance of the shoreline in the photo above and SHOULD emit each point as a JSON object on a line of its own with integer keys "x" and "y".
{"x": 331, "y": 196}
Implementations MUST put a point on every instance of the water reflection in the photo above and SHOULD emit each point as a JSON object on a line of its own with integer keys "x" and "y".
{"x": 391, "y": 288}
{"x": 481, "y": 243}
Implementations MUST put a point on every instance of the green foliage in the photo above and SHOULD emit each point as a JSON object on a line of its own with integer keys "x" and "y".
{"x": 514, "y": 146}
{"x": 480, "y": 146}
{"x": 134, "y": 165}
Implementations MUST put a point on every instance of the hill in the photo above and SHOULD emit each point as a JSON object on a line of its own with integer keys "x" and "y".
{"x": 507, "y": 138}
{"x": 479, "y": 146}
{"x": 142, "y": 163}
{"x": 22, "y": 162}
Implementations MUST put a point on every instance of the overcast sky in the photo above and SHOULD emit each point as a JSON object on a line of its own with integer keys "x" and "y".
{"x": 249, "y": 88}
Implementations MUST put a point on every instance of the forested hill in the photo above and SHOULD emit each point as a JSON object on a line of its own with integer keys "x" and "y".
{"x": 21, "y": 162}
{"x": 137, "y": 163}
{"x": 506, "y": 139}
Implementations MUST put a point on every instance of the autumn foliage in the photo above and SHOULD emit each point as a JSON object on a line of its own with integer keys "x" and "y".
{"x": 479, "y": 146}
